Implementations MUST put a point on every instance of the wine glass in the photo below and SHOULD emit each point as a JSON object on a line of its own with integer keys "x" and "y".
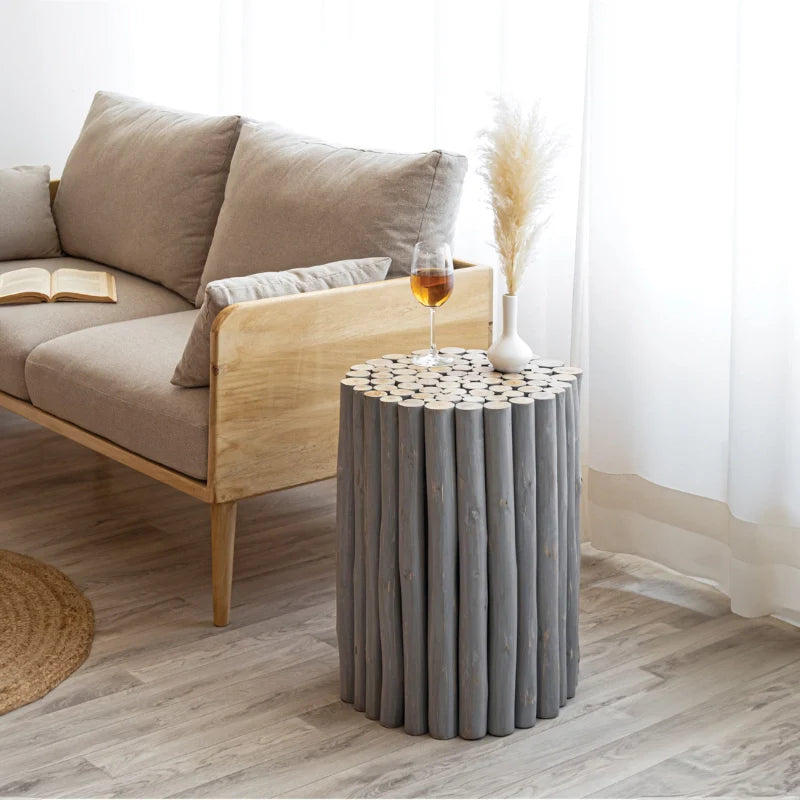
{"x": 432, "y": 280}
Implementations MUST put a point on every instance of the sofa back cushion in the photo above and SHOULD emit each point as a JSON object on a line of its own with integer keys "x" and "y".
{"x": 142, "y": 189}
{"x": 27, "y": 229}
{"x": 195, "y": 364}
{"x": 292, "y": 201}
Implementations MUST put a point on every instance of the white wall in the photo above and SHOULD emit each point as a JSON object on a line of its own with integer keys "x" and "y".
{"x": 395, "y": 74}
{"x": 55, "y": 54}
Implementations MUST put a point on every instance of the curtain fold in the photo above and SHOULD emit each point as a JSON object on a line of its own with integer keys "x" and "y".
{"x": 694, "y": 293}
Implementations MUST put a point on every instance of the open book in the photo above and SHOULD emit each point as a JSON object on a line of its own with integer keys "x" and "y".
{"x": 35, "y": 285}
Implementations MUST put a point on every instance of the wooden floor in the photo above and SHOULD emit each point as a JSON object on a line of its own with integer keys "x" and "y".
{"x": 677, "y": 697}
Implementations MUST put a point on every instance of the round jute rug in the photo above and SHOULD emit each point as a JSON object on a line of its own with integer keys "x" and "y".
{"x": 46, "y": 629}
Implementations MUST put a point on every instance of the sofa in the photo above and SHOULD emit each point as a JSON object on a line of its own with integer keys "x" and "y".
{"x": 171, "y": 202}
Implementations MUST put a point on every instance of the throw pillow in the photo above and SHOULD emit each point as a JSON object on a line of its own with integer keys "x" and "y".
{"x": 194, "y": 367}
{"x": 27, "y": 229}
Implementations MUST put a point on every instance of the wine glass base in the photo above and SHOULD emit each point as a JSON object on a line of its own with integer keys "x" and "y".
{"x": 430, "y": 360}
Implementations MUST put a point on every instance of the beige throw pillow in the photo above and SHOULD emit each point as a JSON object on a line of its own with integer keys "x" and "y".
{"x": 194, "y": 367}
{"x": 27, "y": 229}
{"x": 292, "y": 202}
{"x": 142, "y": 189}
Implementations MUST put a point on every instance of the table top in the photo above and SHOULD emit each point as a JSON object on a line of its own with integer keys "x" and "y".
{"x": 469, "y": 379}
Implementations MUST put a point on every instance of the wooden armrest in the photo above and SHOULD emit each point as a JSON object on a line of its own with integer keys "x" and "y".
{"x": 276, "y": 366}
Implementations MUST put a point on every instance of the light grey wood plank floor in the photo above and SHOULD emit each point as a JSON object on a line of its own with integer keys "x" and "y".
{"x": 677, "y": 695}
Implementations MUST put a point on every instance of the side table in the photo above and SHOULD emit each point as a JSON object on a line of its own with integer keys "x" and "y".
{"x": 458, "y": 535}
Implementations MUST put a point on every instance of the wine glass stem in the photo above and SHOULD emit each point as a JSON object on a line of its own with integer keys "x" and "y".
{"x": 433, "y": 332}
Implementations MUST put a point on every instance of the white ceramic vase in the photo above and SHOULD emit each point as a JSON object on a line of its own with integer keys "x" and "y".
{"x": 510, "y": 353}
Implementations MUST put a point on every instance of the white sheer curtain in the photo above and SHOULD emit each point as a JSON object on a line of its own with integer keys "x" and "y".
{"x": 690, "y": 266}
{"x": 669, "y": 269}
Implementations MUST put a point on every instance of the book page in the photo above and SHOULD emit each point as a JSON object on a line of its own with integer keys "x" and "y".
{"x": 82, "y": 283}
{"x": 31, "y": 280}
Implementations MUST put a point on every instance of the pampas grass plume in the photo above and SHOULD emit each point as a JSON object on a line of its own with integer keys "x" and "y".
{"x": 516, "y": 162}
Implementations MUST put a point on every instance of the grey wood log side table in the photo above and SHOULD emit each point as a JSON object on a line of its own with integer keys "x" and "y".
{"x": 458, "y": 565}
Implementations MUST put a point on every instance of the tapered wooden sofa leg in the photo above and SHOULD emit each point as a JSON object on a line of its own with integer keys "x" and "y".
{"x": 223, "y": 533}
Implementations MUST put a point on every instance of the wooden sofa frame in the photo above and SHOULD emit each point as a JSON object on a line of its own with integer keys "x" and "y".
{"x": 275, "y": 371}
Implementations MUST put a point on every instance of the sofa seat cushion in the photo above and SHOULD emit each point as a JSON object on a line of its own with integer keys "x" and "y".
{"x": 114, "y": 381}
{"x": 23, "y": 327}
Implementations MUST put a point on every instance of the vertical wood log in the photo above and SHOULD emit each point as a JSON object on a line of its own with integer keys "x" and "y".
{"x": 547, "y": 659}
{"x": 391, "y": 630}
{"x": 573, "y": 534}
{"x": 502, "y": 567}
{"x": 563, "y": 508}
{"x": 345, "y": 531}
{"x": 440, "y": 462}
{"x": 574, "y": 546}
{"x": 524, "y": 435}
{"x": 412, "y": 556}
{"x": 359, "y": 581}
{"x": 372, "y": 532}
{"x": 473, "y": 597}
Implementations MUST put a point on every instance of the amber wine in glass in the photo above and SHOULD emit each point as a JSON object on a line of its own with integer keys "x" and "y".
{"x": 432, "y": 280}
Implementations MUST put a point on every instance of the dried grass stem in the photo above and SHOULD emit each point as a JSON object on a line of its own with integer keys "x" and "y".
{"x": 516, "y": 161}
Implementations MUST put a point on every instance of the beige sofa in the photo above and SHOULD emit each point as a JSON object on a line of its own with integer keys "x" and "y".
{"x": 99, "y": 374}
